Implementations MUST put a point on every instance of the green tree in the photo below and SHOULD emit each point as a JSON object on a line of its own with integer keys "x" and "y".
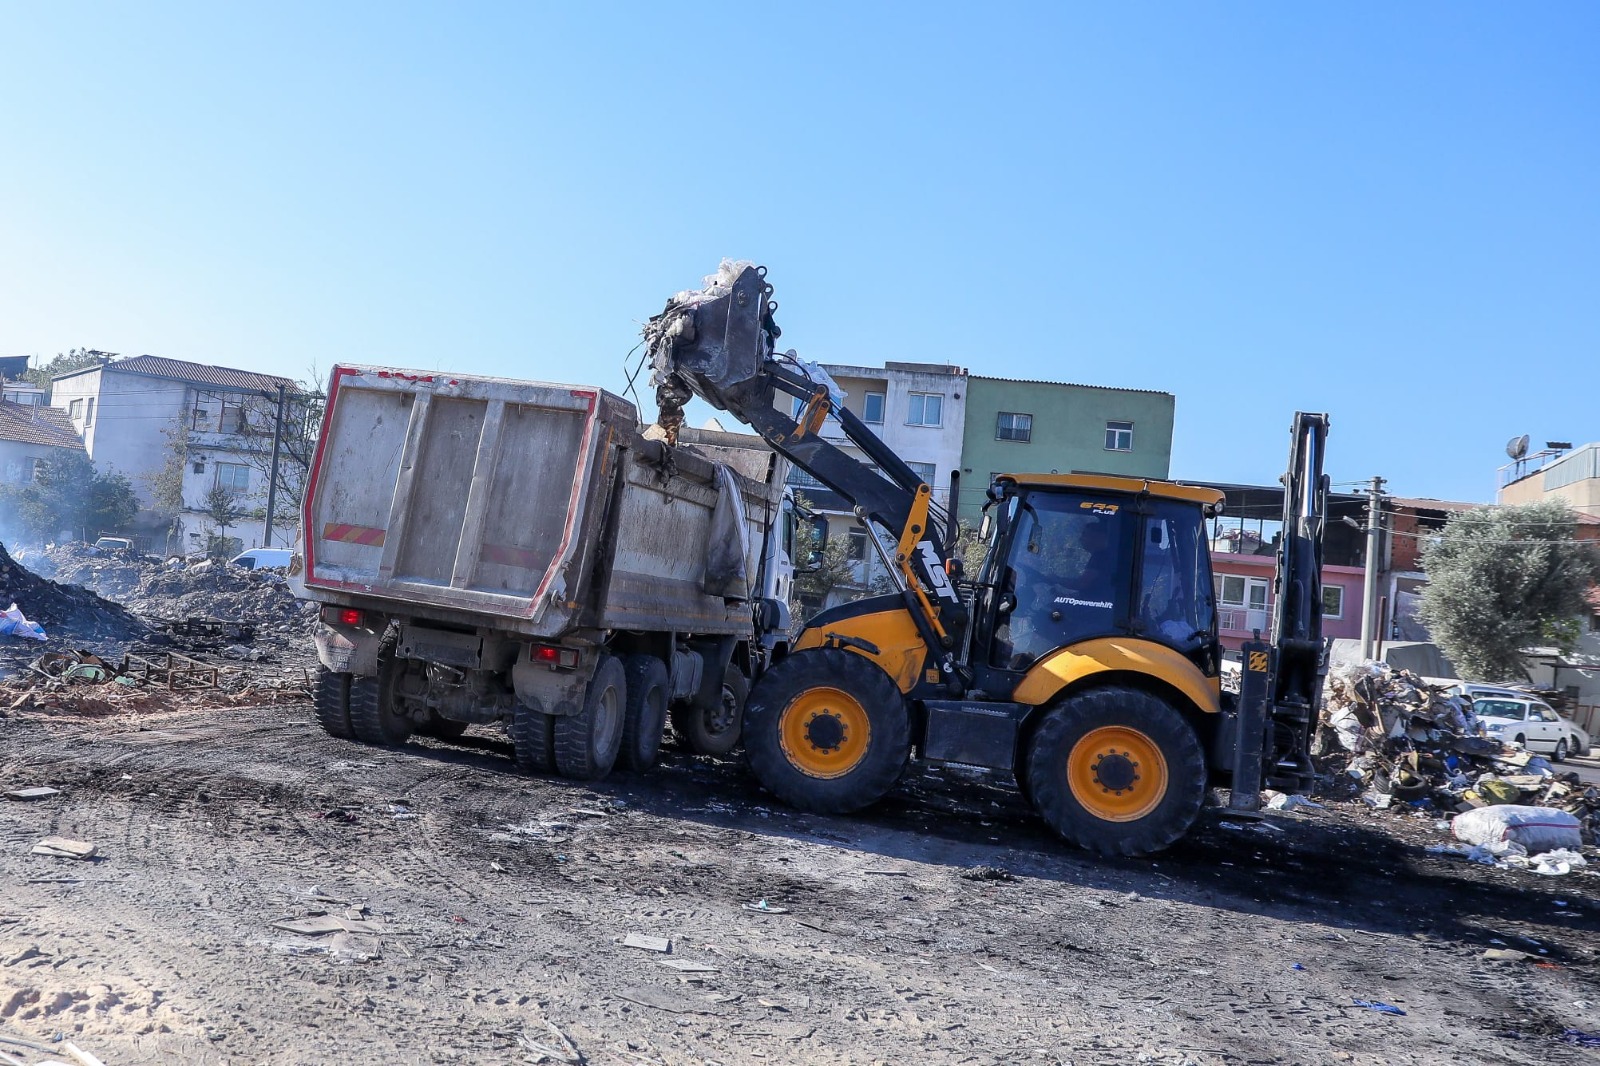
{"x": 67, "y": 498}
{"x": 65, "y": 363}
{"x": 222, "y": 508}
{"x": 1501, "y": 579}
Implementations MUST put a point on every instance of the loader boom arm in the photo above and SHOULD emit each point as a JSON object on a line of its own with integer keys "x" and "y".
{"x": 720, "y": 344}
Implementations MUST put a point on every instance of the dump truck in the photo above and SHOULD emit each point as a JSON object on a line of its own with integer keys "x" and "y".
{"x": 486, "y": 550}
{"x": 1082, "y": 661}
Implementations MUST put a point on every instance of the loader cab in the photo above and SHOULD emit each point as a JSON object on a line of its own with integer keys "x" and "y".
{"x": 1074, "y": 558}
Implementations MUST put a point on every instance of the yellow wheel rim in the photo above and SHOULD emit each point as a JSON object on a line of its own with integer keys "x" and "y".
{"x": 1117, "y": 774}
{"x": 824, "y": 732}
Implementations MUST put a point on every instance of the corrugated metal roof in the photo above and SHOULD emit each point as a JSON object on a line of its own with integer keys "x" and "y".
{"x": 1067, "y": 384}
{"x": 1422, "y": 503}
{"x": 197, "y": 373}
{"x": 49, "y": 426}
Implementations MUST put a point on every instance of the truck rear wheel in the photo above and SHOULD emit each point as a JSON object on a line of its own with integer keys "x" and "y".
{"x": 533, "y": 740}
{"x": 827, "y": 731}
{"x": 1117, "y": 771}
{"x": 587, "y": 743}
{"x": 332, "y": 701}
{"x": 714, "y": 729}
{"x": 374, "y": 718}
{"x": 646, "y": 716}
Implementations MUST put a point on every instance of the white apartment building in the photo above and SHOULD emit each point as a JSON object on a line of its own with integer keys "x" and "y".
{"x": 919, "y": 411}
{"x": 133, "y": 413}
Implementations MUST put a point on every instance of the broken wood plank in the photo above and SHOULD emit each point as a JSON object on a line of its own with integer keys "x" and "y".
{"x": 647, "y": 943}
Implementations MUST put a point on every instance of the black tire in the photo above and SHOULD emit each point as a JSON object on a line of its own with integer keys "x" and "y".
{"x": 332, "y": 701}
{"x": 441, "y": 728}
{"x": 533, "y": 740}
{"x": 645, "y": 718}
{"x": 1560, "y": 754}
{"x": 804, "y": 735}
{"x": 374, "y": 718}
{"x": 587, "y": 743}
{"x": 714, "y": 729}
{"x": 1115, "y": 723}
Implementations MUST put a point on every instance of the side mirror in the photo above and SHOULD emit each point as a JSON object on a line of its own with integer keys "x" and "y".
{"x": 986, "y": 526}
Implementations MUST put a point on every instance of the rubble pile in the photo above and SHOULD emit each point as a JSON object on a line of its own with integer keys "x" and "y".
{"x": 67, "y": 612}
{"x": 176, "y": 590}
{"x": 1397, "y": 741}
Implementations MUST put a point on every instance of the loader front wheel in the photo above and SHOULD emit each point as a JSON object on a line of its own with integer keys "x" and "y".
{"x": 827, "y": 731}
{"x": 374, "y": 716}
{"x": 714, "y": 729}
{"x": 332, "y": 701}
{"x": 587, "y": 743}
{"x": 1117, "y": 771}
{"x": 645, "y": 719}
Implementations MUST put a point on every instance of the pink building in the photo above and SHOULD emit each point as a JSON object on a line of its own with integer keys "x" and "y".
{"x": 1244, "y": 596}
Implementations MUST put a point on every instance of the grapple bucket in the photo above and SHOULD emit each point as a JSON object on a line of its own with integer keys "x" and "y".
{"x": 715, "y": 339}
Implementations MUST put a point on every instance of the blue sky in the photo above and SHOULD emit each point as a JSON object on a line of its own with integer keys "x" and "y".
{"x": 1388, "y": 212}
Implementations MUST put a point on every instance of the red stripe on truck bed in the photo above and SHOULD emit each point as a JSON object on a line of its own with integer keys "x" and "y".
{"x": 351, "y": 534}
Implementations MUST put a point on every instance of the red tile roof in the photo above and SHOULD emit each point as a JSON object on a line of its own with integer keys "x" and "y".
{"x": 49, "y": 426}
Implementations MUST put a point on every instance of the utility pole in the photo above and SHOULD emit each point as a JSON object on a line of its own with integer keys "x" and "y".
{"x": 1369, "y": 595}
{"x": 272, "y": 477}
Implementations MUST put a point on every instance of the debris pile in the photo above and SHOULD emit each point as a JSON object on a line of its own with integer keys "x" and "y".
{"x": 184, "y": 592}
{"x": 1397, "y": 741}
{"x": 64, "y": 611}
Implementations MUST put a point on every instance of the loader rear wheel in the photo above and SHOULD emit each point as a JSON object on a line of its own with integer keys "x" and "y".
{"x": 1117, "y": 771}
{"x": 374, "y": 717}
{"x": 645, "y": 718}
{"x": 332, "y": 702}
{"x": 533, "y": 740}
{"x": 587, "y": 743}
{"x": 827, "y": 731}
{"x": 715, "y": 730}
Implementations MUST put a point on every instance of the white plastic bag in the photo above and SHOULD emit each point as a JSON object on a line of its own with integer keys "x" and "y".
{"x": 1536, "y": 829}
{"x": 13, "y": 624}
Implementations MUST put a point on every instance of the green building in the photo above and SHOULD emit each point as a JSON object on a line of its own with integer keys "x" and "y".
{"x": 1041, "y": 427}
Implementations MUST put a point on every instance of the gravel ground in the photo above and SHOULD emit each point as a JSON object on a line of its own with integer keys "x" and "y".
{"x": 487, "y": 911}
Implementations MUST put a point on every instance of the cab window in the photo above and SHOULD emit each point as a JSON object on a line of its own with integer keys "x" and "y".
{"x": 1175, "y": 595}
{"x": 1066, "y": 576}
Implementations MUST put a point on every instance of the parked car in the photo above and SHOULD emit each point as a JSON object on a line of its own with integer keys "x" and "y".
{"x": 1532, "y": 723}
{"x": 260, "y": 558}
{"x": 112, "y": 544}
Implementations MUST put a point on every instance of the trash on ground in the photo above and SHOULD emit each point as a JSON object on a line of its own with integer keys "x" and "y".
{"x": 1505, "y": 955}
{"x": 765, "y": 907}
{"x": 987, "y": 873}
{"x": 646, "y": 943}
{"x": 1536, "y": 829}
{"x": 62, "y": 848}
{"x": 1382, "y": 1008}
{"x": 34, "y": 793}
{"x": 685, "y": 966}
{"x": 1278, "y": 801}
{"x": 14, "y": 624}
{"x": 323, "y": 924}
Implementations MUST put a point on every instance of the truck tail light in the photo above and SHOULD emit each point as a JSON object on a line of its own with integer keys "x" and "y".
{"x": 553, "y": 655}
{"x": 342, "y": 616}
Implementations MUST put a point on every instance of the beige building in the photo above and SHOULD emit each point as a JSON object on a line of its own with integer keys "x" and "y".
{"x": 1573, "y": 476}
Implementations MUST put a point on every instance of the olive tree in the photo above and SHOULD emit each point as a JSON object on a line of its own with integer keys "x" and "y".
{"x": 1502, "y": 579}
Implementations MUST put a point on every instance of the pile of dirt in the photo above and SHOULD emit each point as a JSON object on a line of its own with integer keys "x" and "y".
{"x": 67, "y": 612}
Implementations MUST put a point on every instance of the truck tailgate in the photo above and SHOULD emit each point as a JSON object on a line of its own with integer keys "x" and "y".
{"x": 456, "y": 492}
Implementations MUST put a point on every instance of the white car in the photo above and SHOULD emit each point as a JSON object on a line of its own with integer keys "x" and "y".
{"x": 262, "y": 558}
{"x": 1531, "y": 723}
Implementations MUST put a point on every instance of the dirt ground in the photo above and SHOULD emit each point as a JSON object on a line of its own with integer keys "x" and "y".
{"x": 496, "y": 906}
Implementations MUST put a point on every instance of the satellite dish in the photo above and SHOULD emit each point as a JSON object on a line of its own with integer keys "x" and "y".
{"x": 1517, "y": 447}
